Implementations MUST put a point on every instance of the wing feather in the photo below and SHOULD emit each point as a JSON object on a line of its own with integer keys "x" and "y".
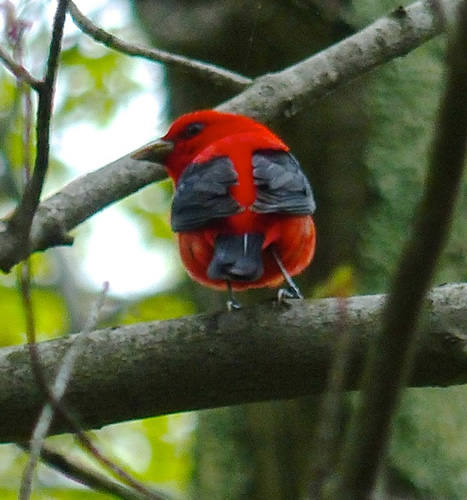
{"x": 281, "y": 184}
{"x": 202, "y": 194}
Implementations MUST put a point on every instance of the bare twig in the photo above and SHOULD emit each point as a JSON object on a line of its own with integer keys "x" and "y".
{"x": 88, "y": 445}
{"x": 18, "y": 70}
{"x": 24, "y": 280}
{"x": 208, "y": 72}
{"x": 61, "y": 381}
{"x": 327, "y": 439}
{"x": 392, "y": 351}
{"x": 14, "y": 29}
{"x": 85, "y": 475}
{"x": 22, "y": 218}
{"x": 24, "y": 271}
{"x": 54, "y": 402}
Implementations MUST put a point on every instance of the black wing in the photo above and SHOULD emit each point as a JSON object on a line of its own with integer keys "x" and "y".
{"x": 281, "y": 185}
{"x": 202, "y": 194}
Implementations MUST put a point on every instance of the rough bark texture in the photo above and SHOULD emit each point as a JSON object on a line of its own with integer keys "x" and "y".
{"x": 215, "y": 360}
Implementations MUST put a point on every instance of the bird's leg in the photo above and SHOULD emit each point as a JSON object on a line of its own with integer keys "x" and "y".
{"x": 232, "y": 304}
{"x": 292, "y": 291}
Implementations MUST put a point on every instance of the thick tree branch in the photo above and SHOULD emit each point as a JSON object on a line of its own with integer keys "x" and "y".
{"x": 283, "y": 94}
{"x": 214, "y": 360}
{"x": 271, "y": 96}
{"x": 85, "y": 196}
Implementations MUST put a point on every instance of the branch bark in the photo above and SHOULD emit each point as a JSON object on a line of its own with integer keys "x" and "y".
{"x": 207, "y": 361}
{"x": 17, "y": 228}
{"x": 211, "y": 73}
{"x": 284, "y": 94}
{"x": 272, "y": 96}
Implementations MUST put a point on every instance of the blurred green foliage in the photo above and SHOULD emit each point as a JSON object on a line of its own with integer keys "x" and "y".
{"x": 97, "y": 81}
{"x": 429, "y": 442}
{"x": 404, "y": 100}
{"x": 161, "y": 306}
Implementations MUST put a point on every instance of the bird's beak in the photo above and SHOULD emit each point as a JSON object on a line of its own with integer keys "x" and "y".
{"x": 155, "y": 152}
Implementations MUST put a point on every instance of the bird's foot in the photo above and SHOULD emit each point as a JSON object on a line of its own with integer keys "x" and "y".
{"x": 292, "y": 292}
{"x": 233, "y": 305}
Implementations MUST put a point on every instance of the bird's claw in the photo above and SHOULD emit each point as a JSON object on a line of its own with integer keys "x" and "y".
{"x": 233, "y": 305}
{"x": 288, "y": 293}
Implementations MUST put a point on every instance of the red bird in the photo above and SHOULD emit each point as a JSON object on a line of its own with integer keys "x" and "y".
{"x": 242, "y": 207}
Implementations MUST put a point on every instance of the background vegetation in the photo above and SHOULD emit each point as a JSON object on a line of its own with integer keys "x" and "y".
{"x": 365, "y": 148}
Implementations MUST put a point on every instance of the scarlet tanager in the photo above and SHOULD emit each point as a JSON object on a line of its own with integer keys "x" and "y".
{"x": 242, "y": 207}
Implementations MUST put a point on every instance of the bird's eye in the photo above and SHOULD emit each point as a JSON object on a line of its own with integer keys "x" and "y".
{"x": 191, "y": 130}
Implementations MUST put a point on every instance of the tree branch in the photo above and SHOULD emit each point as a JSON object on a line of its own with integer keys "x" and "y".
{"x": 17, "y": 240}
{"x": 283, "y": 94}
{"x": 47, "y": 413}
{"x": 90, "y": 477}
{"x": 209, "y": 72}
{"x": 271, "y": 96}
{"x": 83, "y": 197}
{"x": 206, "y": 361}
{"x": 18, "y": 70}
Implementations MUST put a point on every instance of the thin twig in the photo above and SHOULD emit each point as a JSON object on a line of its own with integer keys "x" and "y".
{"x": 56, "y": 405}
{"x": 392, "y": 351}
{"x": 326, "y": 444}
{"x": 22, "y": 218}
{"x": 209, "y": 72}
{"x": 85, "y": 475}
{"x": 19, "y": 71}
{"x": 91, "y": 478}
{"x": 24, "y": 280}
{"x": 61, "y": 381}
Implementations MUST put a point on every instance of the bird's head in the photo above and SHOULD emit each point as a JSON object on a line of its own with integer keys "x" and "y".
{"x": 191, "y": 134}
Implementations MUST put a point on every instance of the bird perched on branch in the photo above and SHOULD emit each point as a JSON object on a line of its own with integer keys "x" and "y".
{"x": 242, "y": 207}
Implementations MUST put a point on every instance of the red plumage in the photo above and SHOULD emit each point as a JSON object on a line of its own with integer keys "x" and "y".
{"x": 241, "y": 201}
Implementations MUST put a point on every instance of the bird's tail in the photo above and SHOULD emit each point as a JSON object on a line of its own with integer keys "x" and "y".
{"x": 237, "y": 257}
